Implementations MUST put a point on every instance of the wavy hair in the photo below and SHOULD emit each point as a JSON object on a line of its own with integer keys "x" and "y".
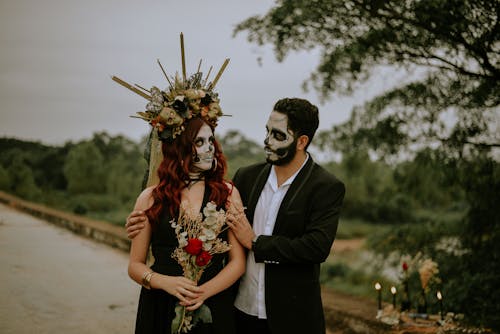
{"x": 173, "y": 173}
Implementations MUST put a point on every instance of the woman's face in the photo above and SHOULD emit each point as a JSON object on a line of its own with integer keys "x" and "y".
{"x": 205, "y": 149}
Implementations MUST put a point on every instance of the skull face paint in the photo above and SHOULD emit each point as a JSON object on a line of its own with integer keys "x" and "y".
{"x": 205, "y": 149}
{"x": 280, "y": 142}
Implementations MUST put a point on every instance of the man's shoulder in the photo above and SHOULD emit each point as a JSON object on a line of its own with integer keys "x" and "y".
{"x": 254, "y": 168}
{"x": 321, "y": 173}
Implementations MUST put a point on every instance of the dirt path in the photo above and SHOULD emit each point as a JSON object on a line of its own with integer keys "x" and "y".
{"x": 347, "y": 245}
{"x": 55, "y": 282}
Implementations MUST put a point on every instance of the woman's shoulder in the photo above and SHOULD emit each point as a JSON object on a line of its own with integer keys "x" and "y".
{"x": 145, "y": 198}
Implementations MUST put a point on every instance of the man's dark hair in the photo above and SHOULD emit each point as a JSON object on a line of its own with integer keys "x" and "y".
{"x": 303, "y": 116}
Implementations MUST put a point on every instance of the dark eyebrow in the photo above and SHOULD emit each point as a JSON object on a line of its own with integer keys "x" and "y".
{"x": 278, "y": 131}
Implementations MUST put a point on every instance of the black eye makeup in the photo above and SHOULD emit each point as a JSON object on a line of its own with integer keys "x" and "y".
{"x": 198, "y": 142}
{"x": 201, "y": 141}
{"x": 280, "y": 136}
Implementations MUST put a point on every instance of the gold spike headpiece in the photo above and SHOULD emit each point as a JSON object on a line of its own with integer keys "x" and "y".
{"x": 168, "y": 110}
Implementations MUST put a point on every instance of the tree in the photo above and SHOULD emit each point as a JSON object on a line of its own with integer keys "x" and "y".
{"x": 22, "y": 181}
{"x": 451, "y": 100}
{"x": 454, "y": 44}
{"x": 240, "y": 151}
{"x": 5, "y": 182}
{"x": 84, "y": 169}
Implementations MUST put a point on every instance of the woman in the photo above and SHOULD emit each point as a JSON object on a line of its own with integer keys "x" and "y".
{"x": 191, "y": 172}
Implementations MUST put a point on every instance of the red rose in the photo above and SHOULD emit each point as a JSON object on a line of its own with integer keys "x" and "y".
{"x": 194, "y": 246}
{"x": 203, "y": 258}
{"x": 405, "y": 266}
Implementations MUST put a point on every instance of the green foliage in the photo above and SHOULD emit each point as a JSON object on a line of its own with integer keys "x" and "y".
{"x": 240, "y": 151}
{"x": 466, "y": 248}
{"x": 5, "y": 182}
{"x": 425, "y": 177}
{"x": 20, "y": 179}
{"x": 452, "y": 44}
{"x": 350, "y": 228}
{"x": 46, "y": 162}
{"x": 341, "y": 277}
{"x": 481, "y": 235}
{"x": 104, "y": 174}
{"x": 83, "y": 169}
{"x": 371, "y": 191}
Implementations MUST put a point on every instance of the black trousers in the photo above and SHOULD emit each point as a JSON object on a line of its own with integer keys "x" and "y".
{"x": 249, "y": 324}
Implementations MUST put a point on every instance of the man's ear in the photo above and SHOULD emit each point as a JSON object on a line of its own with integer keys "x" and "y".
{"x": 302, "y": 142}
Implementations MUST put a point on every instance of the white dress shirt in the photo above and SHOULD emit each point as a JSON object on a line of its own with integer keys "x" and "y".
{"x": 251, "y": 293}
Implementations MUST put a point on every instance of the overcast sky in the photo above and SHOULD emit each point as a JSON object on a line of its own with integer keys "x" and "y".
{"x": 57, "y": 57}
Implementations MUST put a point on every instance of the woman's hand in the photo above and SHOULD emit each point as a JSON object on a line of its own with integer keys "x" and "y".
{"x": 193, "y": 304}
{"x": 180, "y": 287}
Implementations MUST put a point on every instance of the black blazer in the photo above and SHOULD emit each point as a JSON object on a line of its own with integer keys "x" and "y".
{"x": 303, "y": 235}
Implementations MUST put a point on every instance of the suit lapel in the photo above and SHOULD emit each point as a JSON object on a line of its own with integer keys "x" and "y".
{"x": 295, "y": 189}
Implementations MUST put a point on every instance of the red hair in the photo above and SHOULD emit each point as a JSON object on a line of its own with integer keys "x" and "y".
{"x": 174, "y": 171}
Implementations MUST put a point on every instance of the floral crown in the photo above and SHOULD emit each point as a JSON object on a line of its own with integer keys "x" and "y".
{"x": 168, "y": 110}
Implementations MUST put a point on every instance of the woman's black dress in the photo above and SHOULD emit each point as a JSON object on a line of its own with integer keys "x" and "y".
{"x": 157, "y": 308}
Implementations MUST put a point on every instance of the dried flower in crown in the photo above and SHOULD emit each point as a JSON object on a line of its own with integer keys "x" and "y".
{"x": 168, "y": 110}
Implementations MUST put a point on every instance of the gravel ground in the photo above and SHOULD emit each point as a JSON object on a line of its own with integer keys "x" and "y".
{"x": 53, "y": 281}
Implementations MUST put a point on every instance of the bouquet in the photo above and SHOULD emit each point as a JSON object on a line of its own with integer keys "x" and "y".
{"x": 198, "y": 242}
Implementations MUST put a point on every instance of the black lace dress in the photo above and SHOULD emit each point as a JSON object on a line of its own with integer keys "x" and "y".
{"x": 157, "y": 308}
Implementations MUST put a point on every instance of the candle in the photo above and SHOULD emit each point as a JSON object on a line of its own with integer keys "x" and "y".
{"x": 393, "y": 291}
{"x": 378, "y": 287}
{"x": 440, "y": 298}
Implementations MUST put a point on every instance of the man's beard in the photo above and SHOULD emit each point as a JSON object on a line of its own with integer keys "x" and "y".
{"x": 284, "y": 154}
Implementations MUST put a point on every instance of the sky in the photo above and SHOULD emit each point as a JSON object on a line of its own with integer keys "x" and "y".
{"x": 57, "y": 58}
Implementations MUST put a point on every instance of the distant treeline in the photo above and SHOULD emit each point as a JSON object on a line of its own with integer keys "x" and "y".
{"x": 102, "y": 176}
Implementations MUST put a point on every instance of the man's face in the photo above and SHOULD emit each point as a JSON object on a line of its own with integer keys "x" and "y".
{"x": 204, "y": 144}
{"x": 280, "y": 142}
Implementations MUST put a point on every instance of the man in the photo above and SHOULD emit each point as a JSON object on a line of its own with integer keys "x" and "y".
{"x": 289, "y": 226}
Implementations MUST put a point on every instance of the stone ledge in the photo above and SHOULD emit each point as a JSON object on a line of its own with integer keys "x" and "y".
{"x": 97, "y": 230}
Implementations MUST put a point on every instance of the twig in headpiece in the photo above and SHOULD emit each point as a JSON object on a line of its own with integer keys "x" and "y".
{"x": 212, "y": 85}
{"x": 164, "y": 73}
{"x": 183, "y": 58}
{"x": 208, "y": 74}
{"x": 199, "y": 66}
{"x": 144, "y": 89}
{"x": 129, "y": 86}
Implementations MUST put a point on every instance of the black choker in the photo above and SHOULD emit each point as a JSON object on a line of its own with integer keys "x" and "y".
{"x": 193, "y": 181}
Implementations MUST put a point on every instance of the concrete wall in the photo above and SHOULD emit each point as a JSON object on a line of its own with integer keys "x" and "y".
{"x": 101, "y": 231}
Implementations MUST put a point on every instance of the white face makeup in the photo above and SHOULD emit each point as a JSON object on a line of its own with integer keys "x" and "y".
{"x": 279, "y": 139}
{"x": 205, "y": 149}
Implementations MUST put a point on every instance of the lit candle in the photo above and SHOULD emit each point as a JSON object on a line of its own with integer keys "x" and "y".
{"x": 378, "y": 287}
{"x": 393, "y": 291}
{"x": 440, "y": 298}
